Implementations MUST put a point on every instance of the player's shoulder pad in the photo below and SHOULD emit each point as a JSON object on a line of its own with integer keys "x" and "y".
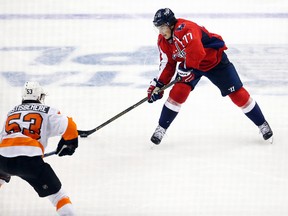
{"x": 181, "y": 25}
{"x": 53, "y": 110}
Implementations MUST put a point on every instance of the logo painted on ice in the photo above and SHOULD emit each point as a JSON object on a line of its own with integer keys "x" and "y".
{"x": 52, "y": 58}
{"x": 62, "y": 64}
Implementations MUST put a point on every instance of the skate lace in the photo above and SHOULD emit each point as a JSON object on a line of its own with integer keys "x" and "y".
{"x": 159, "y": 132}
{"x": 264, "y": 128}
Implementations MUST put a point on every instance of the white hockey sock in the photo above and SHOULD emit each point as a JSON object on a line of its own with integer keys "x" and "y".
{"x": 62, "y": 203}
{"x": 66, "y": 210}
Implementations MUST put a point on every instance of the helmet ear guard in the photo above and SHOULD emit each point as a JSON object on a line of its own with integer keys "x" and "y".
{"x": 164, "y": 16}
{"x": 32, "y": 91}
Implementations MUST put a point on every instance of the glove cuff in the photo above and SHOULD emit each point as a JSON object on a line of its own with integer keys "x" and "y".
{"x": 156, "y": 83}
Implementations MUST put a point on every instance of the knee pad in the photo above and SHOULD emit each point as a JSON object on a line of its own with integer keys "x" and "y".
{"x": 180, "y": 92}
{"x": 240, "y": 97}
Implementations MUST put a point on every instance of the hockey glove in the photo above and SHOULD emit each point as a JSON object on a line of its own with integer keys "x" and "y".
{"x": 4, "y": 177}
{"x": 185, "y": 74}
{"x": 67, "y": 147}
{"x": 153, "y": 89}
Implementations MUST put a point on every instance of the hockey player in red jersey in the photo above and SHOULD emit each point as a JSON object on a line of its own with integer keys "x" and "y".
{"x": 193, "y": 52}
{"x": 23, "y": 141}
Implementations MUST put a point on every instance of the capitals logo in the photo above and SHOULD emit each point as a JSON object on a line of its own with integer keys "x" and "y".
{"x": 179, "y": 54}
{"x": 179, "y": 50}
{"x": 180, "y": 27}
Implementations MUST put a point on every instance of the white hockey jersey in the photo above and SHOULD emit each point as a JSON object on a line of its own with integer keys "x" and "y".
{"x": 28, "y": 127}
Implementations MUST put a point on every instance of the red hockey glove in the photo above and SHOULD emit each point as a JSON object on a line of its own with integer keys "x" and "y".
{"x": 153, "y": 89}
{"x": 186, "y": 75}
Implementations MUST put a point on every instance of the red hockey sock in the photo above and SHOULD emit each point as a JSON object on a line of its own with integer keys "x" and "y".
{"x": 240, "y": 97}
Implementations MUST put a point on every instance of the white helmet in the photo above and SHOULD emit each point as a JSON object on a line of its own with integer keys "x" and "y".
{"x": 33, "y": 91}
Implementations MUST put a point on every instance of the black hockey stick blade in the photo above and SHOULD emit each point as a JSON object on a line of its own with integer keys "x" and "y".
{"x": 86, "y": 133}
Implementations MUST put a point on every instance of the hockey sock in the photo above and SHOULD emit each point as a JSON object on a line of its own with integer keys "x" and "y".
{"x": 62, "y": 203}
{"x": 65, "y": 207}
{"x": 254, "y": 113}
{"x": 248, "y": 105}
{"x": 167, "y": 116}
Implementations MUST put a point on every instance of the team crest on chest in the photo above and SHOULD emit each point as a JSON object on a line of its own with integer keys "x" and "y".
{"x": 180, "y": 27}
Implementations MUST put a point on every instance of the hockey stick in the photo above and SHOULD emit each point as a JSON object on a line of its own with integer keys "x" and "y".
{"x": 49, "y": 153}
{"x": 86, "y": 133}
{"x": 54, "y": 152}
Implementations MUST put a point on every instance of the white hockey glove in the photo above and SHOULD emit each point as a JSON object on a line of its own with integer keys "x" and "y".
{"x": 186, "y": 75}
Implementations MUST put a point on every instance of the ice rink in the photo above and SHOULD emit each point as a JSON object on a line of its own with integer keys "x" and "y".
{"x": 96, "y": 58}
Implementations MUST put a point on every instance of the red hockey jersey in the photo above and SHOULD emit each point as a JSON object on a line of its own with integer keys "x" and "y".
{"x": 191, "y": 43}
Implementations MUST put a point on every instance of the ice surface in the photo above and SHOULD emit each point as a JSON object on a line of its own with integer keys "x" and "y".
{"x": 212, "y": 162}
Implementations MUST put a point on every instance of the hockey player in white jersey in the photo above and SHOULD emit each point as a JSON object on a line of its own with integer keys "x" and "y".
{"x": 24, "y": 138}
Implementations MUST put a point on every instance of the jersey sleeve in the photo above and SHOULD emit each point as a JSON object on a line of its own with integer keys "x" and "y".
{"x": 71, "y": 130}
{"x": 57, "y": 125}
{"x": 61, "y": 125}
{"x": 167, "y": 64}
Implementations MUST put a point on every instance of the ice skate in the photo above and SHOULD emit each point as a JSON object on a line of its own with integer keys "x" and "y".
{"x": 158, "y": 135}
{"x": 266, "y": 132}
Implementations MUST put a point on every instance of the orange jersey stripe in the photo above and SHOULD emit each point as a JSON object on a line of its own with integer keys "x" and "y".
{"x": 21, "y": 141}
{"x": 63, "y": 202}
{"x": 71, "y": 131}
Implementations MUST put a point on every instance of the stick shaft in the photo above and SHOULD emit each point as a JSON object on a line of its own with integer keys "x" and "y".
{"x": 121, "y": 113}
{"x": 49, "y": 154}
{"x": 88, "y": 132}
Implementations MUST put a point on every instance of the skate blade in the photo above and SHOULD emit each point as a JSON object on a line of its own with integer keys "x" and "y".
{"x": 270, "y": 140}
